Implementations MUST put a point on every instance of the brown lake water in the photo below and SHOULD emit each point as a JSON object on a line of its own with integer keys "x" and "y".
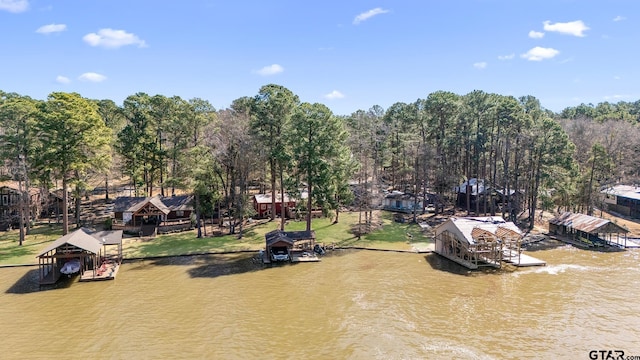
{"x": 351, "y": 305}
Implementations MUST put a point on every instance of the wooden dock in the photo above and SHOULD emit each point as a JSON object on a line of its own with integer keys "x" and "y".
{"x": 304, "y": 257}
{"x": 105, "y": 272}
{"x": 521, "y": 260}
{"x": 629, "y": 243}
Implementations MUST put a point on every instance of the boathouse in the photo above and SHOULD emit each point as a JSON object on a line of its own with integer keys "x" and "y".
{"x": 90, "y": 250}
{"x": 287, "y": 245}
{"x": 588, "y": 231}
{"x": 477, "y": 241}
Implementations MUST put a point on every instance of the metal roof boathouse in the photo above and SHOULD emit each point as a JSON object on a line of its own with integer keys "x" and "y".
{"x": 93, "y": 251}
{"x": 588, "y": 231}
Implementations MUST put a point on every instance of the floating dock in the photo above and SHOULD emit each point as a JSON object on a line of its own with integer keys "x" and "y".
{"x": 521, "y": 260}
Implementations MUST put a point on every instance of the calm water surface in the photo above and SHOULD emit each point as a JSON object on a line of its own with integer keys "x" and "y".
{"x": 352, "y": 305}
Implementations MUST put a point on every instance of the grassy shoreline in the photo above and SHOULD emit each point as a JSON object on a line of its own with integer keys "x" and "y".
{"x": 389, "y": 235}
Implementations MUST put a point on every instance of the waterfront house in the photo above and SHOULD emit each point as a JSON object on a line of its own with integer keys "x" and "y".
{"x": 399, "y": 201}
{"x": 477, "y": 241}
{"x": 588, "y": 231}
{"x": 480, "y": 192}
{"x": 10, "y": 203}
{"x": 622, "y": 199}
{"x": 147, "y": 216}
{"x": 262, "y": 205}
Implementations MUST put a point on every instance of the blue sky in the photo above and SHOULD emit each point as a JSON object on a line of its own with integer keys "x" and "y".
{"x": 348, "y": 55}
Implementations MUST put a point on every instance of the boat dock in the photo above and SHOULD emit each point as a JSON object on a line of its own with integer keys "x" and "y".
{"x": 628, "y": 243}
{"x": 521, "y": 260}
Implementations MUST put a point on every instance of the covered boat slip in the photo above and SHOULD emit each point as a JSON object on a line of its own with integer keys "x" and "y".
{"x": 293, "y": 246}
{"x": 98, "y": 253}
{"x": 589, "y": 231}
{"x": 476, "y": 242}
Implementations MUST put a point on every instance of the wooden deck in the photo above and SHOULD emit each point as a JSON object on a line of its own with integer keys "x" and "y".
{"x": 630, "y": 243}
{"x": 521, "y": 260}
{"x": 107, "y": 271}
{"x": 295, "y": 257}
{"x": 304, "y": 257}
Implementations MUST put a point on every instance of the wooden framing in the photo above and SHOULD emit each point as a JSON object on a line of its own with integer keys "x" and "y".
{"x": 477, "y": 242}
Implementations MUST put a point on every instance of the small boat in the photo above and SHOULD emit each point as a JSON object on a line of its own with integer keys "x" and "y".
{"x": 71, "y": 267}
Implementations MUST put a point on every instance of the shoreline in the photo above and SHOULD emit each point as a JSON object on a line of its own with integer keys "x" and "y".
{"x": 231, "y": 252}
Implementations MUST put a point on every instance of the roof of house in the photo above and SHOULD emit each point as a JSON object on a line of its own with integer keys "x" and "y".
{"x": 627, "y": 191}
{"x": 164, "y": 204}
{"x": 480, "y": 186}
{"x": 155, "y": 201}
{"x": 477, "y": 186}
{"x": 399, "y": 195}
{"x": 13, "y": 185}
{"x": 474, "y": 228}
{"x": 266, "y": 198}
{"x": 586, "y": 223}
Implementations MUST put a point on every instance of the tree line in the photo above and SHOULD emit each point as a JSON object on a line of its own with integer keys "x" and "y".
{"x": 274, "y": 142}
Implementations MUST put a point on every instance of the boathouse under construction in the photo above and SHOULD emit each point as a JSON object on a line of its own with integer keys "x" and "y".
{"x": 475, "y": 242}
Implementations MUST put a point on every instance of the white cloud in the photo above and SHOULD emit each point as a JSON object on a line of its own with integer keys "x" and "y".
{"x": 506, "y": 57}
{"x": 92, "y": 77}
{"x": 335, "y": 94}
{"x": 619, "y": 18}
{"x": 270, "y": 70}
{"x": 618, "y": 97}
{"x": 368, "y": 14}
{"x": 575, "y": 28}
{"x": 62, "y": 79}
{"x": 51, "y": 28}
{"x": 539, "y": 53}
{"x": 536, "y": 34}
{"x": 112, "y": 39}
{"x": 616, "y": 77}
{"x": 480, "y": 65}
{"x": 14, "y": 6}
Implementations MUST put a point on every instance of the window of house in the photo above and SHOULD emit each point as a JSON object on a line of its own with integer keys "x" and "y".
{"x": 5, "y": 200}
{"x": 263, "y": 206}
{"x": 179, "y": 213}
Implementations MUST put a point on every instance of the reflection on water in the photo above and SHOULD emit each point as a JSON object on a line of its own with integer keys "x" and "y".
{"x": 352, "y": 304}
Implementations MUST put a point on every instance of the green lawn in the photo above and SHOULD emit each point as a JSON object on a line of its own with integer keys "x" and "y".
{"x": 40, "y": 236}
{"x": 390, "y": 236}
